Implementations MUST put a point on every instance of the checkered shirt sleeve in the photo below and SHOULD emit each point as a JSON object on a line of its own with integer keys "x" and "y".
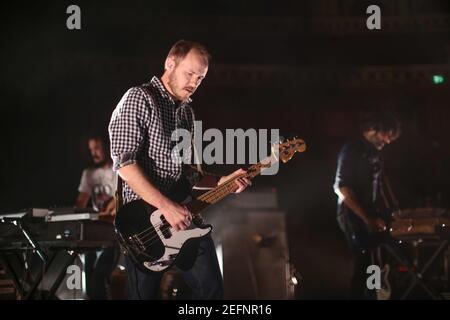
{"x": 128, "y": 127}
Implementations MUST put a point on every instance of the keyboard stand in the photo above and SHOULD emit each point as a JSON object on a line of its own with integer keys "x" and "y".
{"x": 417, "y": 276}
{"x": 47, "y": 262}
{"x": 34, "y": 245}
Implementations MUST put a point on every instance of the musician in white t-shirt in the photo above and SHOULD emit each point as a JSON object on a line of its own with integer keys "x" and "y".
{"x": 98, "y": 185}
{"x": 98, "y": 182}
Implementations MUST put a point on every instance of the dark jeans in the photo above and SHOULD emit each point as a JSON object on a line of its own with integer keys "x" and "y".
{"x": 361, "y": 243}
{"x": 99, "y": 266}
{"x": 204, "y": 278}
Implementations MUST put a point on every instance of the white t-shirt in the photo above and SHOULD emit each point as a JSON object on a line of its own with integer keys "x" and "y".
{"x": 100, "y": 184}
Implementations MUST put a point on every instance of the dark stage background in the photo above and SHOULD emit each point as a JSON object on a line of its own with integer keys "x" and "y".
{"x": 303, "y": 66}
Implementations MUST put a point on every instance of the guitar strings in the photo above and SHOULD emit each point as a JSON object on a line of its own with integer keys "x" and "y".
{"x": 213, "y": 195}
{"x": 145, "y": 230}
{"x": 210, "y": 197}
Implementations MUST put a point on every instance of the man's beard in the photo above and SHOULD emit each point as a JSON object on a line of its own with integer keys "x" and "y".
{"x": 99, "y": 164}
{"x": 174, "y": 88}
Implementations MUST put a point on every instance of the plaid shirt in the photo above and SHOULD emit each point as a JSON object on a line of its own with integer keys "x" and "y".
{"x": 140, "y": 132}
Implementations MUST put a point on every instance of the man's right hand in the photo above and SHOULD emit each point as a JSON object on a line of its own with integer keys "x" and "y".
{"x": 178, "y": 216}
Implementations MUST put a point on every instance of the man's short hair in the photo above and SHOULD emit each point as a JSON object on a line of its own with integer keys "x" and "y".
{"x": 380, "y": 121}
{"x": 182, "y": 47}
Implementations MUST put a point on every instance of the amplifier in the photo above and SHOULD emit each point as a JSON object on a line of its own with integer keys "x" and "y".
{"x": 256, "y": 257}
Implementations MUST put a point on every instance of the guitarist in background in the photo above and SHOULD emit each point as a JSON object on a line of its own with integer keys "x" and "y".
{"x": 140, "y": 132}
{"x": 364, "y": 195}
{"x": 97, "y": 188}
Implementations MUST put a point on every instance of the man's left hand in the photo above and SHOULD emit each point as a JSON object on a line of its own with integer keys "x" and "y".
{"x": 109, "y": 209}
{"x": 242, "y": 183}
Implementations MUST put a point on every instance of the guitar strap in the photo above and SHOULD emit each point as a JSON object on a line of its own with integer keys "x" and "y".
{"x": 119, "y": 197}
{"x": 196, "y": 157}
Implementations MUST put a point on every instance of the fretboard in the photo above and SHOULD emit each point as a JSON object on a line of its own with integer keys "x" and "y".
{"x": 229, "y": 186}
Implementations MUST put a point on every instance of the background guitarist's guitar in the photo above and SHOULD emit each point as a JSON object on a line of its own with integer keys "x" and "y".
{"x": 150, "y": 241}
{"x": 385, "y": 292}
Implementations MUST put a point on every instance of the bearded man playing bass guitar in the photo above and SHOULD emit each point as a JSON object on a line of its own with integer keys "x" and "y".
{"x": 140, "y": 133}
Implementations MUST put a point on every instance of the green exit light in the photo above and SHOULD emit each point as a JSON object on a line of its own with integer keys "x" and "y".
{"x": 437, "y": 79}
